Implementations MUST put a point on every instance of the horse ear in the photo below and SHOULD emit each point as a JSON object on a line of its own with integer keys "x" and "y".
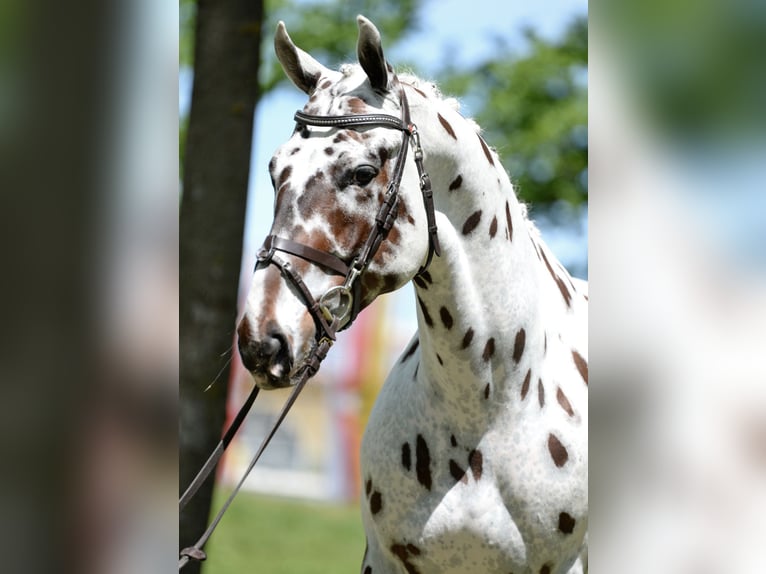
{"x": 370, "y": 54}
{"x": 303, "y": 70}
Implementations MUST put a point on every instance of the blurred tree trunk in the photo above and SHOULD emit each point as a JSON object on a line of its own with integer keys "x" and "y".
{"x": 215, "y": 178}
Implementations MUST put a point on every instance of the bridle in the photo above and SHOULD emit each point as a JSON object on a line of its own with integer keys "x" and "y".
{"x": 328, "y": 318}
{"x": 348, "y": 294}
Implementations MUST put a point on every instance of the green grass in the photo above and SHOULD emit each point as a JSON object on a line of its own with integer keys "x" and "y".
{"x": 260, "y": 534}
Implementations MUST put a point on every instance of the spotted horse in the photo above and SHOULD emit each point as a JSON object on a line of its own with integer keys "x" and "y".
{"x": 475, "y": 455}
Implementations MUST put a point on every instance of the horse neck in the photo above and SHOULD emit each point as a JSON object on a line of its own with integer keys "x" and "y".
{"x": 483, "y": 304}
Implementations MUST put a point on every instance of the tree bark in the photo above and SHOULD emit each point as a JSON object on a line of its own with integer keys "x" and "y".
{"x": 215, "y": 180}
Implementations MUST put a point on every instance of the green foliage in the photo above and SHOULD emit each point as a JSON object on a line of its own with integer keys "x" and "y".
{"x": 265, "y": 534}
{"x": 534, "y": 110}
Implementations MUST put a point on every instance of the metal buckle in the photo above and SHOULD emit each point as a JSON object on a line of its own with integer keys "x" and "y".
{"x": 345, "y": 299}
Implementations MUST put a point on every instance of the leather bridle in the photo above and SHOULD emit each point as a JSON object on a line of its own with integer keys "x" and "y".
{"x": 328, "y": 318}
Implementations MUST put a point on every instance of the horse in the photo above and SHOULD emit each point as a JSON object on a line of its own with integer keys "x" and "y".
{"x": 474, "y": 458}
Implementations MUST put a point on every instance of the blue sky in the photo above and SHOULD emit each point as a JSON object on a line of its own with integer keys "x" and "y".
{"x": 447, "y": 30}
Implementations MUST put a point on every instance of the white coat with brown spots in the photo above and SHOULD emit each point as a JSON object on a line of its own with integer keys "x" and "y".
{"x": 475, "y": 455}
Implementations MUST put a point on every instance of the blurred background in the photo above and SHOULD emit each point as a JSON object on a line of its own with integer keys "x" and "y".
{"x": 519, "y": 70}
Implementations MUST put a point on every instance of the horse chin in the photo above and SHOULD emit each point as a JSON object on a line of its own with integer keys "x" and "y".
{"x": 268, "y": 382}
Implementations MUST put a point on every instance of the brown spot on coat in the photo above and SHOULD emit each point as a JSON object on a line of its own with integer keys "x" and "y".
{"x": 419, "y": 282}
{"x": 284, "y": 175}
{"x": 581, "y": 364}
{"x": 472, "y": 221}
{"x": 446, "y": 317}
{"x": 486, "y": 392}
{"x": 518, "y": 345}
{"x": 411, "y": 350}
{"x": 467, "y": 338}
{"x": 509, "y": 221}
{"x": 368, "y": 487}
{"x": 406, "y": 458}
{"x": 559, "y": 283}
{"x": 452, "y": 440}
{"x": 439, "y": 358}
{"x": 489, "y": 349}
{"x": 456, "y": 183}
{"x": 445, "y": 124}
{"x": 427, "y": 276}
{"x": 566, "y": 523}
{"x": 357, "y": 105}
{"x": 426, "y": 315}
{"x": 540, "y": 393}
{"x": 476, "y": 462}
{"x": 525, "y": 384}
{"x": 493, "y": 228}
{"x": 564, "y": 402}
{"x": 368, "y": 570}
{"x": 376, "y": 502}
{"x": 559, "y": 454}
{"x": 486, "y": 150}
{"x": 546, "y": 569}
{"x": 423, "y": 462}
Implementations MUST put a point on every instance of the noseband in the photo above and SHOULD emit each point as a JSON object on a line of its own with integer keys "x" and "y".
{"x": 328, "y": 317}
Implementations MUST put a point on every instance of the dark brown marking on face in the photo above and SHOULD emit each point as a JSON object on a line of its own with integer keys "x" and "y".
{"x": 525, "y": 384}
{"x": 439, "y": 358}
{"x": 564, "y": 402}
{"x": 340, "y": 137}
{"x": 456, "y": 183}
{"x": 446, "y": 317}
{"x": 293, "y": 152}
{"x": 445, "y": 124}
{"x": 467, "y": 338}
{"x": 546, "y": 569}
{"x": 426, "y": 315}
{"x": 324, "y": 85}
{"x": 368, "y": 570}
{"x": 383, "y": 154}
{"x": 486, "y": 392}
{"x": 489, "y": 349}
{"x": 518, "y": 345}
{"x": 357, "y": 105}
{"x": 452, "y": 440}
{"x": 508, "y": 221}
{"x": 421, "y": 92}
{"x": 582, "y": 365}
{"x": 420, "y": 282}
{"x": 457, "y": 473}
{"x": 476, "y": 462}
{"x": 329, "y": 151}
{"x": 284, "y": 175}
{"x": 540, "y": 393}
{"x": 411, "y": 350}
{"x": 493, "y": 228}
{"x": 559, "y": 283}
{"x": 486, "y": 151}
{"x": 368, "y": 487}
{"x": 566, "y": 523}
{"x": 413, "y": 549}
{"x": 472, "y": 222}
{"x": 559, "y": 454}
{"x": 406, "y": 457}
{"x": 376, "y": 502}
{"x": 423, "y": 462}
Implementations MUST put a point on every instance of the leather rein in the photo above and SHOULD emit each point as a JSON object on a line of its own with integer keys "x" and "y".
{"x": 328, "y": 317}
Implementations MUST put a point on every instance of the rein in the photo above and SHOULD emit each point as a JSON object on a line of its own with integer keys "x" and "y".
{"x": 334, "y": 306}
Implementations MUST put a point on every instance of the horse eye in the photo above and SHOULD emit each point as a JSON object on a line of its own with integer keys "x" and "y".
{"x": 364, "y": 174}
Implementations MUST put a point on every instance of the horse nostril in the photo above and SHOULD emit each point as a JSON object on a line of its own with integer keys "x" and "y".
{"x": 269, "y": 355}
